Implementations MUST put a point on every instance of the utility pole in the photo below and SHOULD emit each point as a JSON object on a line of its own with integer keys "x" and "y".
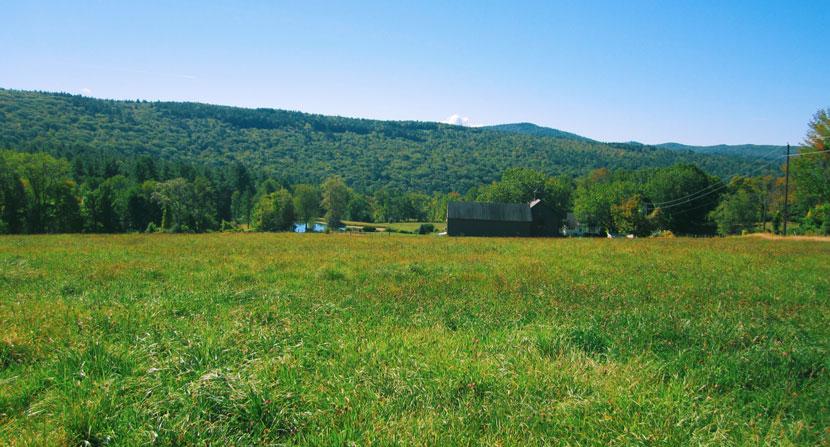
{"x": 787, "y": 190}
{"x": 769, "y": 185}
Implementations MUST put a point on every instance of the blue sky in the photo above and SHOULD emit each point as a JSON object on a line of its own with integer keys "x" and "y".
{"x": 695, "y": 72}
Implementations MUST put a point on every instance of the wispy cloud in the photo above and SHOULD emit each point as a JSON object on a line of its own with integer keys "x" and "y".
{"x": 86, "y": 91}
{"x": 458, "y": 120}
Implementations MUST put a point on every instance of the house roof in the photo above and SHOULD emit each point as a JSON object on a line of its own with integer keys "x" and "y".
{"x": 505, "y": 212}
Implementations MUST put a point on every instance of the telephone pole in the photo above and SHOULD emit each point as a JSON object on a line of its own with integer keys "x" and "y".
{"x": 787, "y": 190}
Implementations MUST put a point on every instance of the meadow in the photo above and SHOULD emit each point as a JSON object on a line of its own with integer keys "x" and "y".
{"x": 315, "y": 339}
{"x": 397, "y": 227}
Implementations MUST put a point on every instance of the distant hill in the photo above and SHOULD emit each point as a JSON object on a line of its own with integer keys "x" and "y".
{"x": 533, "y": 129}
{"x": 745, "y": 150}
{"x": 741, "y": 150}
{"x": 297, "y": 147}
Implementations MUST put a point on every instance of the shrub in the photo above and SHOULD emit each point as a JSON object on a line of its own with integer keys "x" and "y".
{"x": 368, "y": 229}
{"x": 816, "y": 221}
{"x": 226, "y": 226}
{"x": 426, "y": 228}
{"x": 821, "y": 214}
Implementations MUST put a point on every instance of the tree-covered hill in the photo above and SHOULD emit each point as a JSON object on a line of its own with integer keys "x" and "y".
{"x": 533, "y": 129}
{"x": 298, "y": 147}
{"x": 747, "y": 150}
{"x": 741, "y": 150}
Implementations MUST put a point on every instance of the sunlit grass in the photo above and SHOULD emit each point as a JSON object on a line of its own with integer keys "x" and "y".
{"x": 408, "y": 227}
{"x": 235, "y": 339}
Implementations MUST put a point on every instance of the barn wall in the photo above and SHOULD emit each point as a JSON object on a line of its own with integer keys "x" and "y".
{"x": 544, "y": 223}
{"x": 467, "y": 227}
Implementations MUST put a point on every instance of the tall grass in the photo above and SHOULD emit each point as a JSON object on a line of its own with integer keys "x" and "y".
{"x": 238, "y": 339}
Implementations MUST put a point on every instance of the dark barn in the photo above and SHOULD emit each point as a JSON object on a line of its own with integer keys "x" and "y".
{"x": 545, "y": 222}
{"x": 489, "y": 219}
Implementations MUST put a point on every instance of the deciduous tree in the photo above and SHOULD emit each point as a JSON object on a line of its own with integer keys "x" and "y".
{"x": 274, "y": 211}
{"x": 335, "y": 199}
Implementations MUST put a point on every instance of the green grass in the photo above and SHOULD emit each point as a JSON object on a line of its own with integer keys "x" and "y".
{"x": 239, "y": 339}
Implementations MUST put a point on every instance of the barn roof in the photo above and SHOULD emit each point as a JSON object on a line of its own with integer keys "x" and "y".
{"x": 505, "y": 212}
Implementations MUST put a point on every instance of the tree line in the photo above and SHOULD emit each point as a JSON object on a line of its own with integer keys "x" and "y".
{"x": 97, "y": 193}
{"x": 43, "y": 194}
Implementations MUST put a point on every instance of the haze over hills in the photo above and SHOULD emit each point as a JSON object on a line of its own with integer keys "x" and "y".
{"x": 299, "y": 147}
{"x": 749, "y": 150}
{"x": 745, "y": 150}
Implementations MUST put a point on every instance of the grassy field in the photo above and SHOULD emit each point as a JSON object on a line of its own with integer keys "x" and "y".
{"x": 238, "y": 339}
{"x": 408, "y": 227}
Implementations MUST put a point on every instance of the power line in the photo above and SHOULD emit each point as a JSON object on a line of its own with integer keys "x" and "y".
{"x": 712, "y": 201}
{"x": 801, "y": 154}
{"x": 689, "y": 196}
{"x": 720, "y": 187}
{"x": 685, "y": 198}
{"x": 699, "y": 194}
{"x": 724, "y": 185}
{"x": 702, "y": 193}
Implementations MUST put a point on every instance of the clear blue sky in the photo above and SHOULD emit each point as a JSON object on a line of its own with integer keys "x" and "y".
{"x": 696, "y": 72}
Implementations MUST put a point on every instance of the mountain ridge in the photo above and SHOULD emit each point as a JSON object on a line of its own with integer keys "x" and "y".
{"x": 748, "y": 150}
{"x": 297, "y": 147}
{"x": 752, "y": 150}
{"x": 535, "y": 129}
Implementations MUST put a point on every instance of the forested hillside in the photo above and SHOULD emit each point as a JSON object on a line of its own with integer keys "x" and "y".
{"x": 740, "y": 150}
{"x": 296, "y": 147}
{"x": 533, "y": 129}
{"x": 749, "y": 150}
